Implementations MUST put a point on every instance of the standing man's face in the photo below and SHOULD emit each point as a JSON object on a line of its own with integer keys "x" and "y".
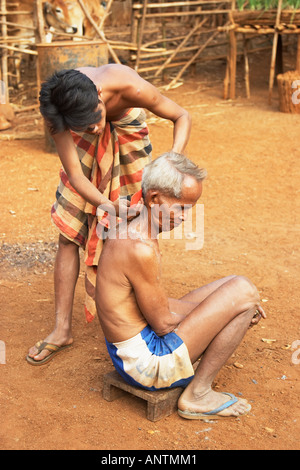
{"x": 98, "y": 127}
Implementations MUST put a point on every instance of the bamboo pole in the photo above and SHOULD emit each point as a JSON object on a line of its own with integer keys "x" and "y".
{"x": 107, "y": 13}
{"x": 160, "y": 56}
{"x": 8, "y": 39}
{"x": 263, "y": 31}
{"x": 185, "y": 13}
{"x": 163, "y": 53}
{"x": 4, "y": 74}
{"x": 17, "y": 49}
{"x": 192, "y": 60}
{"x": 203, "y": 59}
{"x": 4, "y": 12}
{"x": 174, "y": 39}
{"x": 139, "y": 6}
{"x": 40, "y": 20}
{"x": 229, "y": 81}
{"x": 247, "y": 81}
{"x": 226, "y": 79}
{"x": 232, "y": 63}
{"x": 141, "y": 32}
{"x": 60, "y": 34}
{"x": 20, "y": 26}
{"x": 180, "y": 46}
{"x": 274, "y": 51}
{"x": 99, "y": 32}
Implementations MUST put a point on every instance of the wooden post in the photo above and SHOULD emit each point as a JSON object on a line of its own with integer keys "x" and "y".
{"x": 141, "y": 32}
{"x": 274, "y": 51}
{"x": 40, "y": 20}
{"x": 247, "y": 81}
{"x": 4, "y": 76}
{"x": 226, "y": 79}
{"x": 298, "y": 55}
{"x": 230, "y": 77}
{"x": 232, "y": 63}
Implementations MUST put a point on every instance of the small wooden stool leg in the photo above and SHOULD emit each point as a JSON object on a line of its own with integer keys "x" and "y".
{"x": 111, "y": 393}
{"x": 160, "y": 403}
{"x": 156, "y": 411}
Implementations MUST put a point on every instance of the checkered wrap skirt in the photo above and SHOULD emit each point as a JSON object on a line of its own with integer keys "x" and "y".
{"x": 114, "y": 163}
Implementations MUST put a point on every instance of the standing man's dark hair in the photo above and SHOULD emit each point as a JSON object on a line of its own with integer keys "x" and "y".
{"x": 68, "y": 101}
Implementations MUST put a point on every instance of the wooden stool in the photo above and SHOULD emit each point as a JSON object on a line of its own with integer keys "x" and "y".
{"x": 160, "y": 403}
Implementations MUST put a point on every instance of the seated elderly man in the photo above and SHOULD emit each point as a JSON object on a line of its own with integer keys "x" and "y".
{"x": 153, "y": 340}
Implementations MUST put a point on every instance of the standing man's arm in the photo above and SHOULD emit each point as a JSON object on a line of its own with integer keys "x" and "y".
{"x": 135, "y": 91}
{"x": 182, "y": 120}
{"x": 68, "y": 155}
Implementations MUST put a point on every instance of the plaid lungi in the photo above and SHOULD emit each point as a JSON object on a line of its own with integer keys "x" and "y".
{"x": 114, "y": 163}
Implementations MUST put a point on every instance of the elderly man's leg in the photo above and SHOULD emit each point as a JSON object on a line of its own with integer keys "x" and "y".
{"x": 66, "y": 272}
{"x": 214, "y": 329}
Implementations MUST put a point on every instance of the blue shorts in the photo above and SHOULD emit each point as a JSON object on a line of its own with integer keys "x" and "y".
{"x": 152, "y": 362}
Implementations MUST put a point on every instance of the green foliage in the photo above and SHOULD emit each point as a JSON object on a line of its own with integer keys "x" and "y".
{"x": 267, "y": 4}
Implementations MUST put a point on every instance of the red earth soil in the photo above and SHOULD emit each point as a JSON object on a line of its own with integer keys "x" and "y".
{"x": 251, "y": 220}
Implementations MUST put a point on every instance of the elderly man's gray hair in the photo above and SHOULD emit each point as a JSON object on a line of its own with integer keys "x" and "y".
{"x": 166, "y": 173}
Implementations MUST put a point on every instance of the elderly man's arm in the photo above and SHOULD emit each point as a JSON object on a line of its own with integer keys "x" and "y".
{"x": 151, "y": 298}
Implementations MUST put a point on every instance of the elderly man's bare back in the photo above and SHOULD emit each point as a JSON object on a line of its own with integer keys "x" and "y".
{"x": 119, "y": 313}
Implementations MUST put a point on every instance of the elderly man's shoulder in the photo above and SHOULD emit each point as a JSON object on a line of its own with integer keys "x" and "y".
{"x": 138, "y": 250}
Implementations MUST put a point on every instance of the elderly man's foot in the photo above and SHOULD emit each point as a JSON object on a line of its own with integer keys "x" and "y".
{"x": 42, "y": 351}
{"x": 212, "y": 405}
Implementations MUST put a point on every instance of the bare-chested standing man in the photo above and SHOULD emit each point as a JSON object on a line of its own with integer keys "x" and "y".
{"x": 152, "y": 340}
{"x": 101, "y": 102}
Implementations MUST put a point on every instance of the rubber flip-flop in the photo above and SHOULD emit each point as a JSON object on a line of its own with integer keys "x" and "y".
{"x": 214, "y": 413}
{"x": 53, "y": 348}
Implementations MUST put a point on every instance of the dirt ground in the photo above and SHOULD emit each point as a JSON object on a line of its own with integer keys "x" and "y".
{"x": 251, "y": 207}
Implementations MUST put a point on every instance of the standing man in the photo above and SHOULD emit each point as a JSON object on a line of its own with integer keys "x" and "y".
{"x": 97, "y": 121}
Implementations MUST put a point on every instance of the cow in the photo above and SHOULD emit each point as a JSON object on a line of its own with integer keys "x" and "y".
{"x": 67, "y": 16}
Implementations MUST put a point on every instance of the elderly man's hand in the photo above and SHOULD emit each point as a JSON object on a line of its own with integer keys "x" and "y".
{"x": 259, "y": 314}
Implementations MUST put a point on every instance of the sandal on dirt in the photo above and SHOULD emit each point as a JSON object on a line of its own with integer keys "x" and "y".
{"x": 53, "y": 348}
{"x": 214, "y": 413}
